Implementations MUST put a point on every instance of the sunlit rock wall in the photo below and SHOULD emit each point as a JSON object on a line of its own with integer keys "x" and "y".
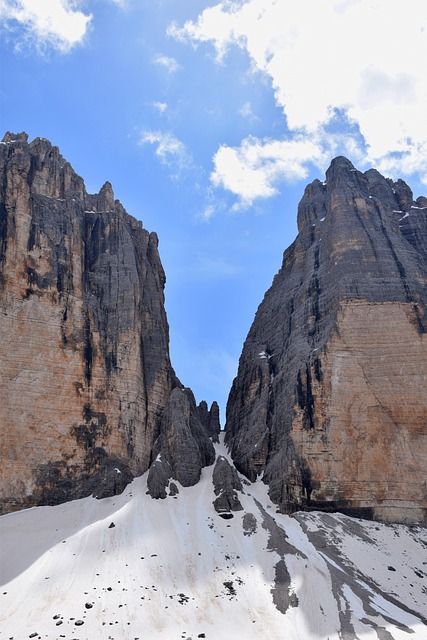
{"x": 330, "y": 402}
{"x": 85, "y": 372}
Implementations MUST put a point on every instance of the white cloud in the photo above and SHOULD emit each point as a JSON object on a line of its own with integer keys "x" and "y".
{"x": 208, "y": 212}
{"x": 247, "y": 112}
{"x": 253, "y": 169}
{"x": 363, "y": 58}
{"x": 161, "y": 107}
{"x": 54, "y": 23}
{"x": 171, "y": 151}
{"x": 170, "y": 64}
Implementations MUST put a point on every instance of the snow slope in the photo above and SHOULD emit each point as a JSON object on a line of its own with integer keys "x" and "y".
{"x": 175, "y": 569}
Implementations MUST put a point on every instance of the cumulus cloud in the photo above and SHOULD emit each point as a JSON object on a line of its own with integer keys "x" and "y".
{"x": 363, "y": 58}
{"x": 170, "y": 64}
{"x": 46, "y": 23}
{"x": 253, "y": 169}
{"x": 171, "y": 151}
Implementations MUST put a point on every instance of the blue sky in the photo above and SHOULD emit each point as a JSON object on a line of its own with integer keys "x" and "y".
{"x": 209, "y": 119}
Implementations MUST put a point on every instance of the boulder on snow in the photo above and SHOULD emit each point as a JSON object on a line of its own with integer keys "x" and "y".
{"x": 158, "y": 478}
{"x": 173, "y": 489}
{"x": 226, "y": 484}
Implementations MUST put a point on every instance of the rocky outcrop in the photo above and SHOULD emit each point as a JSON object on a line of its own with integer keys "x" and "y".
{"x": 329, "y": 405}
{"x": 210, "y": 419}
{"x": 183, "y": 442}
{"x": 226, "y": 484}
{"x": 158, "y": 478}
{"x": 86, "y": 379}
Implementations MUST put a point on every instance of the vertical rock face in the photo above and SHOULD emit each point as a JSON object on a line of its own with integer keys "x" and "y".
{"x": 210, "y": 419}
{"x": 330, "y": 400}
{"x": 86, "y": 380}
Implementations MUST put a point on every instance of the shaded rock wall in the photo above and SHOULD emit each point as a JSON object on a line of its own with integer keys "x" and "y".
{"x": 85, "y": 371}
{"x": 330, "y": 401}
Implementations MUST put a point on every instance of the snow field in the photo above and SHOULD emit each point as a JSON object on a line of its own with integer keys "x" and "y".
{"x": 129, "y": 567}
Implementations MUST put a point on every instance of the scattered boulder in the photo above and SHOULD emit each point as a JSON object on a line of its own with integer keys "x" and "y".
{"x": 249, "y": 523}
{"x": 173, "y": 489}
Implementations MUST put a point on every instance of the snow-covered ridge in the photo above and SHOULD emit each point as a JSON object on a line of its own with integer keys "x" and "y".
{"x": 131, "y": 567}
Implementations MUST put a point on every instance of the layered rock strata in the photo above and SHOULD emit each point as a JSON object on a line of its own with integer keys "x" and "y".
{"x": 88, "y": 394}
{"x": 330, "y": 404}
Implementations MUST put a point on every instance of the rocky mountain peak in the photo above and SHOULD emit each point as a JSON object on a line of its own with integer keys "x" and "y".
{"x": 339, "y": 166}
{"x": 89, "y": 396}
{"x": 334, "y": 369}
{"x": 106, "y": 198}
{"x": 15, "y": 137}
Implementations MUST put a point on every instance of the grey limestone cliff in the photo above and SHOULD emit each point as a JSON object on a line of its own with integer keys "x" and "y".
{"x": 88, "y": 390}
{"x": 329, "y": 406}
